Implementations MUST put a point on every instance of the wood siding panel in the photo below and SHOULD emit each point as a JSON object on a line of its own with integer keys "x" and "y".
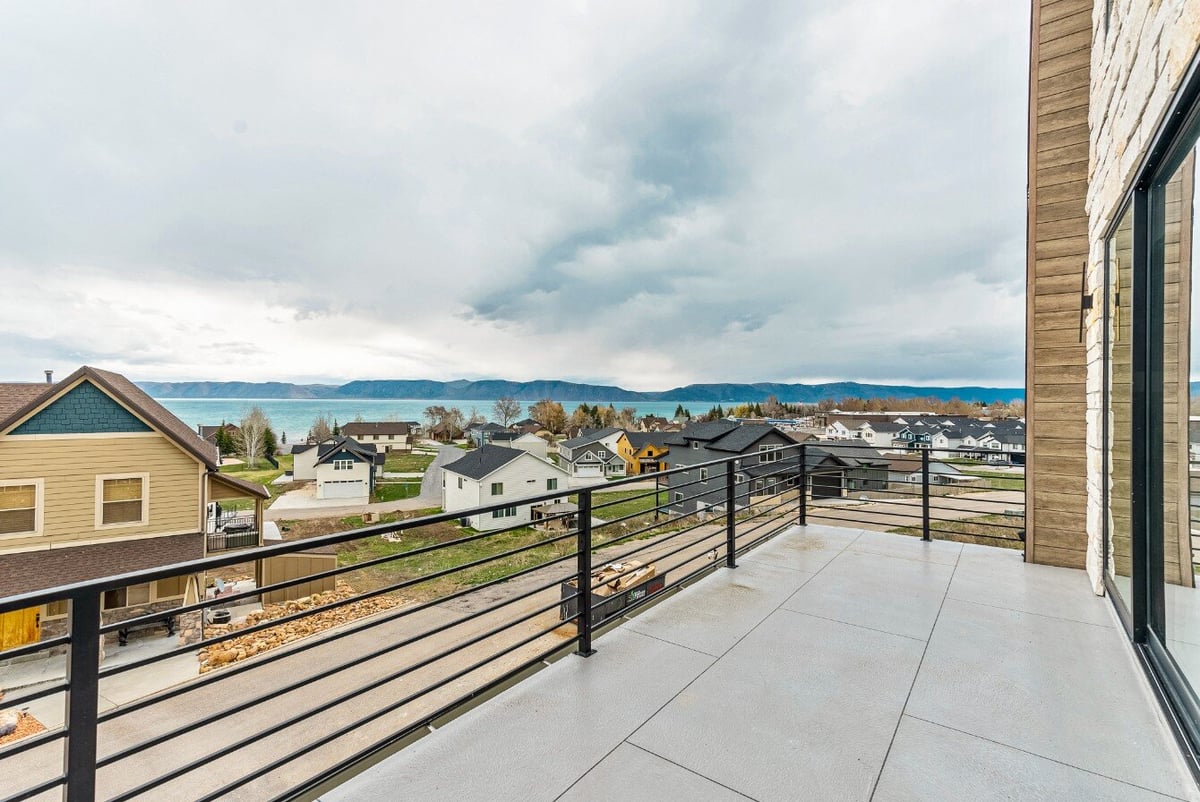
{"x": 1056, "y": 361}
{"x": 69, "y": 468}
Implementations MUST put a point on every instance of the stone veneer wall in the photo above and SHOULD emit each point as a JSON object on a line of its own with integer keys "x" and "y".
{"x": 1140, "y": 52}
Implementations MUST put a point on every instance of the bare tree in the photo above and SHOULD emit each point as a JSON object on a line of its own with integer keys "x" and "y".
{"x": 626, "y": 418}
{"x": 250, "y": 439}
{"x": 322, "y": 428}
{"x": 507, "y": 409}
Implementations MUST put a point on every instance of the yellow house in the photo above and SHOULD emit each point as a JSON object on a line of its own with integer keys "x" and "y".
{"x": 97, "y": 478}
{"x": 648, "y": 451}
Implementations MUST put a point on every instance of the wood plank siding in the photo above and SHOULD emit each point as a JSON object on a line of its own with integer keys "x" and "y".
{"x": 68, "y": 468}
{"x": 1056, "y": 360}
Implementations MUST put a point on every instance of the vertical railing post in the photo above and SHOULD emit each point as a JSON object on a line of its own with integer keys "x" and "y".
{"x": 803, "y": 520}
{"x": 730, "y": 523}
{"x": 925, "y": 494}
{"x": 584, "y": 580}
{"x": 82, "y": 698}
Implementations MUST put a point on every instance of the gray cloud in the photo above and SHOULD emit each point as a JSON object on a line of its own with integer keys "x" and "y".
{"x": 645, "y": 194}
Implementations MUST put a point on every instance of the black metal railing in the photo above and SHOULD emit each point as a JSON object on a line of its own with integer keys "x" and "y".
{"x": 428, "y": 616}
{"x": 233, "y": 530}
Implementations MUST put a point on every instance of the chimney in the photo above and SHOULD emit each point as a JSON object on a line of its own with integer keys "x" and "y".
{"x": 49, "y": 377}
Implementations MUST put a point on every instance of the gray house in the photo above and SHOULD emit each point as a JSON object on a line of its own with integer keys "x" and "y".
{"x": 864, "y": 467}
{"x": 762, "y": 464}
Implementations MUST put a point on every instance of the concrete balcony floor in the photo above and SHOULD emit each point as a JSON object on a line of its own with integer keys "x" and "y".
{"x": 831, "y": 664}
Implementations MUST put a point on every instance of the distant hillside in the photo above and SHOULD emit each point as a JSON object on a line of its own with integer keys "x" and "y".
{"x": 566, "y": 392}
{"x": 238, "y": 390}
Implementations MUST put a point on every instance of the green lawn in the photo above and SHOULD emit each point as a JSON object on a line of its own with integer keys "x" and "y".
{"x": 627, "y": 502}
{"x": 987, "y": 530}
{"x": 395, "y": 491}
{"x": 434, "y": 561}
{"x": 999, "y": 481}
{"x": 262, "y": 473}
{"x": 407, "y": 463}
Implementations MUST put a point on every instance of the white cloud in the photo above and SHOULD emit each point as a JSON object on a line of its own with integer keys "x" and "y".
{"x": 644, "y": 194}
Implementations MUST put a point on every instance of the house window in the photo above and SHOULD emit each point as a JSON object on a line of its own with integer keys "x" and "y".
{"x": 704, "y": 474}
{"x": 460, "y": 483}
{"x": 497, "y": 488}
{"x": 21, "y": 507}
{"x": 696, "y": 445}
{"x": 769, "y": 453}
{"x": 552, "y": 484}
{"x": 343, "y": 464}
{"x": 122, "y": 500}
{"x": 127, "y": 597}
{"x": 678, "y": 496}
{"x": 505, "y": 512}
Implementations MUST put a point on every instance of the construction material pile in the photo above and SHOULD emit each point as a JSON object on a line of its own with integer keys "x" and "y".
{"x": 231, "y": 651}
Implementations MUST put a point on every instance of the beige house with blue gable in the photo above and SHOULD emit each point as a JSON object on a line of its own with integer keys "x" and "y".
{"x": 96, "y": 479}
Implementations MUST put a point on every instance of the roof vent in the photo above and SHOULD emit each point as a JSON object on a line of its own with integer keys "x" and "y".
{"x": 49, "y": 377}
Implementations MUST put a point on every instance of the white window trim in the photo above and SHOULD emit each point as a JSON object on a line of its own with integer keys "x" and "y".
{"x": 100, "y": 478}
{"x": 704, "y": 474}
{"x": 39, "y": 501}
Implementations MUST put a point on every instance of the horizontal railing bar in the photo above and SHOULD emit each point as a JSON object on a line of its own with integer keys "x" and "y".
{"x": 293, "y": 720}
{"x": 264, "y": 625}
{"x": 423, "y": 722}
{"x": 73, "y": 590}
{"x": 624, "y": 611}
{"x": 659, "y": 541}
{"x": 40, "y": 693}
{"x": 973, "y": 534}
{"x": 665, "y": 555}
{"x": 29, "y": 793}
{"x": 332, "y": 572}
{"x": 31, "y": 742}
{"x": 338, "y": 634}
{"x": 778, "y": 530}
{"x": 649, "y": 493}
{"x": 324, "y": 674}
{"x": 302, "y": 790}
{"x": 34, "y": 648}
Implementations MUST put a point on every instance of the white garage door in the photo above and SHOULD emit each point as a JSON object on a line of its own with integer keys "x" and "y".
{"x": 589, "y": 471}
{"x": 352, "y": 488}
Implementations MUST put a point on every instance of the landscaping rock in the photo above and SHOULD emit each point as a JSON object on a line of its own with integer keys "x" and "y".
{"x": 9, "y": 719}
{"x": 241, "y": 648}
{"x": 26, "y": 725}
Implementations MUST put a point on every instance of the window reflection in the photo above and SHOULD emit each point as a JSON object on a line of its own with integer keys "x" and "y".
{"x": 1120, "y": 410}
{"x": 1181, "y": 445}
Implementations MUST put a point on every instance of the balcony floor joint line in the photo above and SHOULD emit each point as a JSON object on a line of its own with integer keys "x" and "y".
{"x": 913, "y": 684}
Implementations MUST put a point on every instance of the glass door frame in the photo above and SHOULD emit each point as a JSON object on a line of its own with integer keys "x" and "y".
{"x": 1143, "y": 614}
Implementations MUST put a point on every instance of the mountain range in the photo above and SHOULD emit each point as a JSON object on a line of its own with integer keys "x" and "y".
{"x": 491, "y": 389}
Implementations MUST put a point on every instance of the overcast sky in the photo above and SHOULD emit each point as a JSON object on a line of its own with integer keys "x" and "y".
{"x": 647, "y": 194}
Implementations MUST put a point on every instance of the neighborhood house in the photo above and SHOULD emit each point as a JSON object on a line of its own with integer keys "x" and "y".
{"x": 496, "y": 475}
{"x": 342, "y": 468}
{"x": 97, "y": 479}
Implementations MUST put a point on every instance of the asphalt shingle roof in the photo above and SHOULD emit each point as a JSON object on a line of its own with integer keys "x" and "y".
{"x": 484, "y": 460}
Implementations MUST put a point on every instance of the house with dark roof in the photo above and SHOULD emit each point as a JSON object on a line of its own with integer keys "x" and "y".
{"x": 384, "y": 435}
{"x": 494, "y": 474}
{"x": 209, "y": 433}
{"x": 650, "y": 451}
{"x": 96, "y": 479}
{"x": 342, "y": 467}
{"x": 483, "y": 433}
{"x": 597, "y": 453}
{"x": 701, "y": 488}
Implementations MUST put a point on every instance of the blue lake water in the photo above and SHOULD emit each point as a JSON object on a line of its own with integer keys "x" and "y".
{"x": 294, "y": 416}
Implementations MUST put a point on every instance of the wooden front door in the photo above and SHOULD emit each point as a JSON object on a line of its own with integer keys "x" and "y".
{"x": 20, "y": 627}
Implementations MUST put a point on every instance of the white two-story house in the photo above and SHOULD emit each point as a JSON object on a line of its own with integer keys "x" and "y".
{"x": 492, "y": 475}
